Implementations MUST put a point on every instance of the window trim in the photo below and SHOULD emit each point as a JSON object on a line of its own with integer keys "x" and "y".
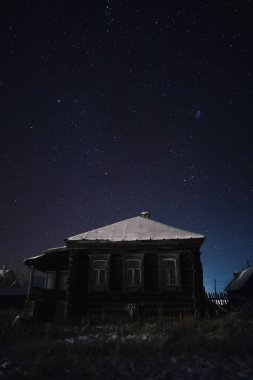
{"x": 62, "y": 280}
{"x": 133, "y": 269}
{"x": 53, "y": 275}
{"x": 175, "y": 258}
{"x": 92, "y": 260}
{"x": 134, "y": 257}
{"x": 98, "y": 271}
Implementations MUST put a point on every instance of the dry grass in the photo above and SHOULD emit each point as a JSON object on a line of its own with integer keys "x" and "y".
{"x": 38, "y": 351}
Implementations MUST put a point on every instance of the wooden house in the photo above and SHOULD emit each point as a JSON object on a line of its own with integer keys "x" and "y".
{"x": 240, "y": 288}
{"x": 135, "y": 266}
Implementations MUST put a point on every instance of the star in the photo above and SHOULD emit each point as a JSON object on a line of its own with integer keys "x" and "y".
{"x": 198, "y": 114}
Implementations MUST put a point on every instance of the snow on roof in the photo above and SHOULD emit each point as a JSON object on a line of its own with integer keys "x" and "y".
{"x": 46, "y": 252}
{"x": 239, "y": 282}
{"x": 50, "y": 250}
{"x": 137, "y": 228}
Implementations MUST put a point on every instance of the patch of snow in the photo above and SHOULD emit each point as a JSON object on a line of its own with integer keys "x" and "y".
{"x": 7, "y": 365}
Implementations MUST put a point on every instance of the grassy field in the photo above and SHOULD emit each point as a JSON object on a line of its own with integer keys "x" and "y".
{"x": 187, "y": 348}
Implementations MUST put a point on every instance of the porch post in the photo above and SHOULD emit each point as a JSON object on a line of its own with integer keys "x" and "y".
{"x": 70, "y": 297}
{"x": 30, "y": 284}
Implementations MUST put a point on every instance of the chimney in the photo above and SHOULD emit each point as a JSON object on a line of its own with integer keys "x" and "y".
{"x": 236, "y": 274}
{"x": 145, "y": 214}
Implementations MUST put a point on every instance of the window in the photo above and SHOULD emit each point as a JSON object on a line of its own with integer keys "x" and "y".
{"x": 169, "y": 272}
{"x": 63, "y": 280}
{"x": 133, "y": 272}
{"x": 56, "y": 281}
{"x": 99, "y": 274}
{"x": 50, "y": 280}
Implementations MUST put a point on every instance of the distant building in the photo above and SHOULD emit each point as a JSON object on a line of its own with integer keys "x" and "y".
{"x": 11, "y": 294}
{"x": 240, "y": 288}
{"x": 134, "y": 266}
{"x": 7, "y": 278}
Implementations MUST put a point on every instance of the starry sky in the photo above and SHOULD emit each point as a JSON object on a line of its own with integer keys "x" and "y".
{"x": 109, "y": 108}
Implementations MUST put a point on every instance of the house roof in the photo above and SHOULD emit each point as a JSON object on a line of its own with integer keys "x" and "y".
{"x": 240, "y": 281}
{"x": 136, "y": 229}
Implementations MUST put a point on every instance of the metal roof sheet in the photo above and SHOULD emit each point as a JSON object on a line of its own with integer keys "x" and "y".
{"x": 137, "y": 228}
{"x": 239, "y": 282}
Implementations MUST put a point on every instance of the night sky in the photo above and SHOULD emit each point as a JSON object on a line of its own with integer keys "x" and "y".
{"x": 109, "y": 108}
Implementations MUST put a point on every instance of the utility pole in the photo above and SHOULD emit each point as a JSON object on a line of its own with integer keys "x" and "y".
{"x": 215, "y": 290}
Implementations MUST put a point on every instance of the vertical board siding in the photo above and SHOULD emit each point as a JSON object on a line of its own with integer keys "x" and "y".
{"x": 116, "y": 273}
{"x": 151, "y": 272}
{"x": 186, "y": 272}
{"x": 151, "y": 300}
{"x": 82, "y": 272}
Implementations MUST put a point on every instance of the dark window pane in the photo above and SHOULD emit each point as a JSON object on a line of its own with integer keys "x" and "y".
{"x": 102, "y": 277}
{"x": 129, "y": 275}
{"x": 137, "y": 277}
{"x": 133, "y": 264}
{"x": 168, "y": 272}
{"x": 172, "y": 273}
{"x": 99, "y": 264}
{"x": 63, "y": 279}
{"x": 50, "y": 283}
{"x": 95, "y": 276}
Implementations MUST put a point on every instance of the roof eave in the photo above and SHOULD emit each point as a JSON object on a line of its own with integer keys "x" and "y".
{"x": 36, "y": 260}
{"x": 85, "y": 242}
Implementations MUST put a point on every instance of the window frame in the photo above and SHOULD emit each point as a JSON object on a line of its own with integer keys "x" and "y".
{"x": 62, "y": 280}
{"x": 174, "y": 257}
{"x": 96, "y": 286}
{"x": 98, "y": 270}
{"x": 50, "y": 279}
{"x": 134, "y": 287}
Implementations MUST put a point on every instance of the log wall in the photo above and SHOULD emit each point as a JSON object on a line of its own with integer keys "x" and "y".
{"x": 150, "y": 300}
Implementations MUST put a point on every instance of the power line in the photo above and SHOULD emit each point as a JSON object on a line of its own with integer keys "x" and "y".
{"x": 235, "y": 245}
{"x": 244, "y": 240}
{"x": 232, "y": 253}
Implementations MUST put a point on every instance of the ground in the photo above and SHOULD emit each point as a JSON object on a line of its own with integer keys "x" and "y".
{"x": 187, "y": 348}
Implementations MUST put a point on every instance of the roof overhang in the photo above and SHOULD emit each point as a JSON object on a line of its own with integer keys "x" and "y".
{"x": 175, "y": 243}
{"x": 49, "y": 259}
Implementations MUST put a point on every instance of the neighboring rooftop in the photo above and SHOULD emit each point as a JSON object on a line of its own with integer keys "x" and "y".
{"x": 7, "y": 277}
{"x": 240, "y": 280}
{"x": 139, "y": 228}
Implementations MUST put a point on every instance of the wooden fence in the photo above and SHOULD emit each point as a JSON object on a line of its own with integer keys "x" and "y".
{"x": 220, "y": 299}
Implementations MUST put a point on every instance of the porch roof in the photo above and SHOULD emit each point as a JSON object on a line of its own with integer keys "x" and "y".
{"x": 49, "y": 258}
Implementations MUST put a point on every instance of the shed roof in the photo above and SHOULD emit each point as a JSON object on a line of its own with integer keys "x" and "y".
{"x": 136, "y": 229}
{"x": 240, "y": 281}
